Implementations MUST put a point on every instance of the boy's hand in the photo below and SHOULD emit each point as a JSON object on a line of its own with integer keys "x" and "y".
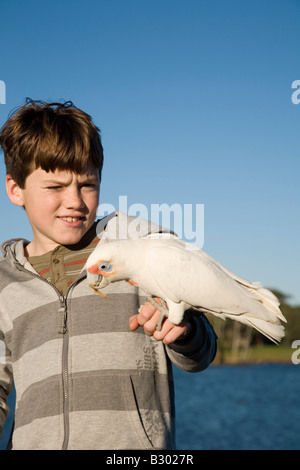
{"x": 148, "y": 317}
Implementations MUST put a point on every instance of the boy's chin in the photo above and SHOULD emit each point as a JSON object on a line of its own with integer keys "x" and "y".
{"x": 70, "y": 236}
{"x": 71, "y": 239}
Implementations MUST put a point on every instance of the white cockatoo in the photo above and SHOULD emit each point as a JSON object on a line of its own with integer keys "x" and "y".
{"x": 184, "y": 277}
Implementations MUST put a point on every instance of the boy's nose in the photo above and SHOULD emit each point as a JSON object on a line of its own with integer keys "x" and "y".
{"x": 73, "y": 200}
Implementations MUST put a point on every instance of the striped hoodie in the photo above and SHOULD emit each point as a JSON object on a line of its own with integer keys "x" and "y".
{"x": 83, "y": 380}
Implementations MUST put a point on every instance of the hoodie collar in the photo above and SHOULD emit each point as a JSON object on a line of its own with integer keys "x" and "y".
{"x": 15, "y": 249}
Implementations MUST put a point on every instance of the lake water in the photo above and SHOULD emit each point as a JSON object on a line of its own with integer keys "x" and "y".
{"x": 253, "y": 407}
{"x": 239, "y": 408}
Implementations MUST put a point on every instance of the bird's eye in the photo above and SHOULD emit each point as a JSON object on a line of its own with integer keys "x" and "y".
{"x": 104, "y": 266}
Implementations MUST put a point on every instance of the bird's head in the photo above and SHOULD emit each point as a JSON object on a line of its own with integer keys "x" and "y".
{"x": 100, "y": 273}
{"x": 105, "y": 265}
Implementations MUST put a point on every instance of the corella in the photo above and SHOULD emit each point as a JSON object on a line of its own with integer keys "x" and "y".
{"x": 184, "y": 277}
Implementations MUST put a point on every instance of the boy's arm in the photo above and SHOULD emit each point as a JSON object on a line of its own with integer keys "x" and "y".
{"x": 5, "y": 383}
{"x": 191, "y": 345}
{"x": 196, "y": 351}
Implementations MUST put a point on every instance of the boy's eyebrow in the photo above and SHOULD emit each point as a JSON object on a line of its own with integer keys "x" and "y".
{"x": 55, "y": 180}
{"x": 91, "y": 176}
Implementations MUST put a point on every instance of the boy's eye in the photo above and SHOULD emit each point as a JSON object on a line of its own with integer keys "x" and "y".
{"x": 89, "y": 185}
{"x": 83, "y": 185}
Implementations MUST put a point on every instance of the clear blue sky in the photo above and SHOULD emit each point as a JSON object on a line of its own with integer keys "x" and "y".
{"x": 193, "y": 99}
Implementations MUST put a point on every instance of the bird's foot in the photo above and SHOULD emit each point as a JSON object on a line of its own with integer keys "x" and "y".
{"x": 163, "y": 308}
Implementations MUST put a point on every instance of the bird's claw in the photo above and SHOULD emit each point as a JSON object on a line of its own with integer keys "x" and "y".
{"x": 162, "y": 306}
{"x": 160, "y": 320}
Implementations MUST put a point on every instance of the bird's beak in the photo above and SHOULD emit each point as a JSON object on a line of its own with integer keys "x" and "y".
{"x": 96, "y": 282}
{"x": 94, "y": 279}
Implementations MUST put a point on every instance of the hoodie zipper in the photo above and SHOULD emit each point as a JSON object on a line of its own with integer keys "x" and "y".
{"x": 65, "y": 376}
{"x": 63, "y": 329}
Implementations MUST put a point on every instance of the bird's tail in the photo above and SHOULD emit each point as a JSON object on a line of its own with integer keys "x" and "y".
{"x": 267, "y": 317}
{"x": 272, "y": 329}
{"x": 269, "y": 323}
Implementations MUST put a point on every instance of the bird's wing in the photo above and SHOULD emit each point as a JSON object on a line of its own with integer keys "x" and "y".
{"x": 253, "y": 289}
{"x": 186, "y": 276}
{"x": 196, "y": 279}
{"x": 257, "y": 291}
{"x": 164, "y": 264}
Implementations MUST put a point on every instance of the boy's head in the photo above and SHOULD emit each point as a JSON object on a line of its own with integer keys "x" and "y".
{"x": 50, "y": 136}
{"x": 53, "y": 155}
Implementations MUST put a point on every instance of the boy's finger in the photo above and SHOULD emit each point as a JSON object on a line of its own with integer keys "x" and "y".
{"x": 171, "y": 333}
{"x": 133, "y": 322}
{"x": 150, "y": 325}
{"x": 146, "y": 312}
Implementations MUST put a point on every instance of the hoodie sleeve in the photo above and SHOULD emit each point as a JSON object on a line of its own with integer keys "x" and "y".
{"x": 198, "y": 349}
{"x": 6, "y": 381}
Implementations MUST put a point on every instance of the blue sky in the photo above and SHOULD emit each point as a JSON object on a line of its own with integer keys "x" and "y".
{"x": 193, "y": 99}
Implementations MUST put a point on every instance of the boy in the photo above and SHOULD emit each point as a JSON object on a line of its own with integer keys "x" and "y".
{"x": 84, "y": 379}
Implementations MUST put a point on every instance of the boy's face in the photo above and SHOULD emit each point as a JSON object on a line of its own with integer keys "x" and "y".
{"x": 61, "y": 206}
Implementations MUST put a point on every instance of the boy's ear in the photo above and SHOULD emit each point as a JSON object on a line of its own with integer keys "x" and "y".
{"x": 14, "y": 191}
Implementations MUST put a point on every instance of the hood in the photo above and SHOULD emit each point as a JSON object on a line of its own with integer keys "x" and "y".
{"x": 12, "y": 243}
{"x": 13, "y": 250}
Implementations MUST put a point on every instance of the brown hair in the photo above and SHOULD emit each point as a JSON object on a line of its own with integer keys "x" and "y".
{"x": 51, "y": 136}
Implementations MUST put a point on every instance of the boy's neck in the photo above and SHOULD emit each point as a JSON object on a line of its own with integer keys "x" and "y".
{"x": 32, "y": 250}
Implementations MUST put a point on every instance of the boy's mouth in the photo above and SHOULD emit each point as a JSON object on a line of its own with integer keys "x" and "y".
{"x": 71, "y": 219}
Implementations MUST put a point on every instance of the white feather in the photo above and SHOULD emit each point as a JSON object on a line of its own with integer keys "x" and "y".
{"x": 185, "y": 276}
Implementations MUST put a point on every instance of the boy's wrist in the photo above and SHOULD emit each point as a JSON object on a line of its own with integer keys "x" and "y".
{"x": 195, "y": 337}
